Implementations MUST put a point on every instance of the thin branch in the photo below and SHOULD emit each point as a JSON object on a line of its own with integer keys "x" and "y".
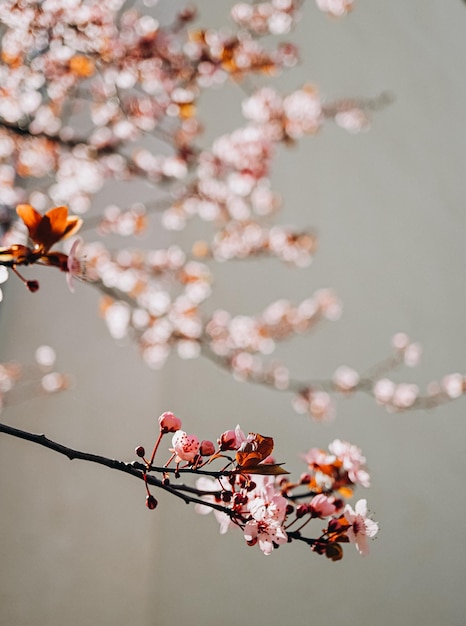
{"x": 133, "y": 469}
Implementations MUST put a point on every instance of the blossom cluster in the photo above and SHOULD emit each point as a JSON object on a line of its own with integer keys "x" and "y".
{"x": 253, "y": 493}
{"x": 135, "y": 83}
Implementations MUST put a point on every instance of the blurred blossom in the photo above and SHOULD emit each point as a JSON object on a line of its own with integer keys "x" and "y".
{"x": 454, "y": 385}
{"x": 345, "y": 378}
{"x": 45, "y": 356}
{"x": 336, "y": 8}
{"x": 54, "y": 382}
{"x": 384, "y": 390}
{"x": 117, "y": 317}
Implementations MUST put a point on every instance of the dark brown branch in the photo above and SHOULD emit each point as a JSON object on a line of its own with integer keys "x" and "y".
{"x": 133, "y": 469}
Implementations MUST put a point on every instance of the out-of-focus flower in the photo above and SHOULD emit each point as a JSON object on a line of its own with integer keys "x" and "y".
{"x": 336, "y": 8}
{"x": 75, "y": 266}
{"x": 46, "y": 230}
{"x": 321, "y": 506}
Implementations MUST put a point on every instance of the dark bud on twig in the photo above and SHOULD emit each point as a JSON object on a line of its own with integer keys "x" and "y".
{"x": 32, "y": 285}
{"x": 151, "y": 502}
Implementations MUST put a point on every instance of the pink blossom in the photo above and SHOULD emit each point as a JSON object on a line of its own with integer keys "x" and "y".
{"x": 336, "y": 8}
{"x": 316, "y": 458}
{"x": 353, "y": 461}
{"x": 169, "y": 423}
{"x": 345, "y": 378}
{"x": 454, "y": 385}
{"x": 266, "y": 533}
{"x": 268, "y": 510}
{"x": 74, "y": 265}
{"x": 185, "y": 446}
{"x": 322, "y": 506}
{"x": 361, "y": 527}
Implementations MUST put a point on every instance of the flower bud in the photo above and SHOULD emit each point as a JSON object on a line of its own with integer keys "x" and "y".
{"x": 169, "y": 423}
{"x": 151, "y": 502}
{"x": 32, "y": 285}
{"x": 302, "y": 510}
{"x": 228, "y": 440}
{"x": 207, "y": 448}
{"x": 305, "y": 479}
{"x": 140, "y": 451}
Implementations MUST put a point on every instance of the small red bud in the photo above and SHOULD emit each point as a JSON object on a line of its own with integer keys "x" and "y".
{"x": 32, "y": 285}
{"x": 140, "y": 451}
{"x": 151, "y": 502}
{"x": 302, "y": 510}
{"x": 207, "y": 448}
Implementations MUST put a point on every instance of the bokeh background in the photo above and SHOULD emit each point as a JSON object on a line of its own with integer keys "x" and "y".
{"x": 77, "y": 544}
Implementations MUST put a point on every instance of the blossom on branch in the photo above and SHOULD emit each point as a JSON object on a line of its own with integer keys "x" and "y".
{"x": 361, "y": 527}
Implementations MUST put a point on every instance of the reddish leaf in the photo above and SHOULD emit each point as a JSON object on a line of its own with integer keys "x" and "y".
{"x": 265, "y": 469}
{"x": 46, "y": 230}
{"x": 256, "y": 449}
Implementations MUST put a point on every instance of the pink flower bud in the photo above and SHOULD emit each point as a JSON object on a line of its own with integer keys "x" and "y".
{"x": 169, "y": 423}
{"x": 207, "y": 448}
{"x": 185, "y": 446}
{"x": 227, "y": 440}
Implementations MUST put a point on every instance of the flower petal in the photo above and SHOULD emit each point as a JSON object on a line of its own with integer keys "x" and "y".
{"x": 30, "y": 217}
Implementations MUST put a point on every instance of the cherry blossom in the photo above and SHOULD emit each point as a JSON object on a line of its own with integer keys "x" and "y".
{"x": 186, "y": 447}
{"x": 104, "y": 95}
{"x": 361, "y": 527}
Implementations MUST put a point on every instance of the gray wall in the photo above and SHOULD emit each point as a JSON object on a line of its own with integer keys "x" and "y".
{"x": 77, "y": 544}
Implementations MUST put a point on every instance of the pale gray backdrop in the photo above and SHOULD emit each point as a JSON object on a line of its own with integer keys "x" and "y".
{"x": 77, "y": 545}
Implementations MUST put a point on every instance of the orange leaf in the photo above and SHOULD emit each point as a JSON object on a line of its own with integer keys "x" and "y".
{"x": 247, "y": 459}
{"x": 30, "y": 217}
{"x": 46, "y": 230}
{"x": 265, "y": 469}
{"x": 256, "y": 449}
